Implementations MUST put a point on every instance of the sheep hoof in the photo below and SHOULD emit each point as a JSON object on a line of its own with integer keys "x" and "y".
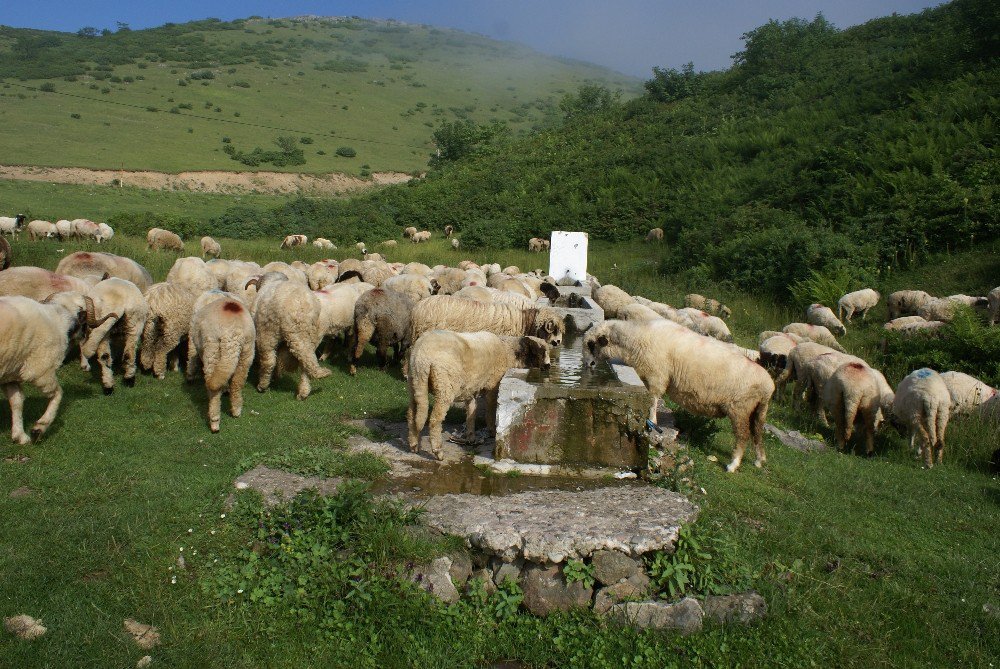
{"x": 261, "y": 389}
{"x": 22, "y": 440}
{"x": 214, "y": 429}
{"x": 732, "y": 467}
{"x": 758, "y": 463}
{"x": 36, "y": 433}
{"x": 439, "y": 455}
{"x": 108, "y": 391}
{"x": 129, "y": 382}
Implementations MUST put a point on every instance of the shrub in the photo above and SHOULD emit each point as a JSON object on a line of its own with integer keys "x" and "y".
{"x": 47, "y": 87}
{"x": 74, "y": 115}
{"x": 306, "y": 140}
{"x": 202, "y": 74}
{"x": 346, "y": 152}
{"x": 491, "y": 234}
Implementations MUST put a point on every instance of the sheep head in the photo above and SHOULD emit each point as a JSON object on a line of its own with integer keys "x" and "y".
{"x": 549, "y": 291}
{"x": 550, "y": 326}
{"x": 534, "y": 352}
{"x": 595, "y": 344}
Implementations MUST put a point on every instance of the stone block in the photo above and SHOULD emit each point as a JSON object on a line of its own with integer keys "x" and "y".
{"x": 546, "y": 590}
{"x": 610, "y": 566}
{"x": 743, "y": 608}
{"x": 685, "y": 616}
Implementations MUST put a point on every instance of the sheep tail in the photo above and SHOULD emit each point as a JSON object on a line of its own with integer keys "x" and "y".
{"x": 216, "y": 372}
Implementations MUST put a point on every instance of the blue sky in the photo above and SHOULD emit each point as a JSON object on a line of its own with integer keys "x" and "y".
{"x": 627, "y": 35}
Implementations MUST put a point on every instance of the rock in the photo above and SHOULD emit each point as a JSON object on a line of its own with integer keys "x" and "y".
{"x": 146, "y": 636}
{"x": 744, "y": 608}
{"x": 504, "y": 571}
{"x": 144, "y": 662}
{"x": 546, "y": 590}
{"x": 632, "y": 589}
{"x": 485, "y": 578}
{"x": 610, "y": 567}
{"x": 461, "y": 568}
{"x": 685, "y": 616}
{"x": 795, "y": 439}
{"x": 276, "y": 486}
{"x": 435, "y": 578}
{"x": 24, "y": 627}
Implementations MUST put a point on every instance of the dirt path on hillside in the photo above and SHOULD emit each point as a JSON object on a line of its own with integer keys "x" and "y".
{"x": 231, "y": 183}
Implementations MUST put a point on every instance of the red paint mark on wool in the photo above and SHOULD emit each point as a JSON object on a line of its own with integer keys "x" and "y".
{"x": 232, "y": 307}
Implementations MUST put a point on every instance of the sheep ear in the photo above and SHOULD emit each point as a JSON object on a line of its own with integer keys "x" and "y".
{"x": 107, "y": 275}
{"x": 550, "y": 327}
{"x": 602, "y": 340}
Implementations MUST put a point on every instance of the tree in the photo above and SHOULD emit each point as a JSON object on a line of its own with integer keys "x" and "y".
{"x": 669, "y": 84}
{"x": 462, "y": 138}
{"x": 88, "y": 31}
{"x": 122, "y": 27}
{"x": 589, "y": 99}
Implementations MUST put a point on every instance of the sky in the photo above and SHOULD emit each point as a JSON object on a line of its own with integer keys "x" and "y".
{"x": 631, "y": 36}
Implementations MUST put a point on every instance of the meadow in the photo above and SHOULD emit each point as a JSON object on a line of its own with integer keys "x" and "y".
{"x": 864, "y": 562}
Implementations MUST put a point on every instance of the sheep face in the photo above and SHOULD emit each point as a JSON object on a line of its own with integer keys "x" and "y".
{"x": 534, "y": 352}
{"x": 550, "y": 327}
{"x": 595, "y": 348}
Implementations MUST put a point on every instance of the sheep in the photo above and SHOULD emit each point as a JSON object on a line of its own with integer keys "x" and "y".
{"x": 416, "y": 286}
{"x": 291, "y": 272}
{"x": 409, "y": 232}
{"x": 455, "y": 243}
{"x": 458, "y": 366}
{"x": 124, "y": 298}
{"x": 510, "y": 285}
{"x": 374, "y": 272}
{"x": 817, "y": 314}
{"x": 906, "y": 302}
{"x": 815, "y": 373}
{"x": 909, "y": 325}
{"x": 538, "y": 244}
{"x": 171, "y": 306}
{"x": 815, "y": 333}
{"x": 993, "y": 302}
{"x": 5, "y": 254}
{"x": 447, "y": 312}
{"x": 970, "y": 300}
{"x": 104, "y": 232}
{"x": 939, "y": 309}
{"x": 669, "y": 313}
{"x": 85, "y": 264}
{"x": 85, "y": 229}
{"x": 210, "y": 247}
{"x": 389, "y": 244}
{"x": 322, "y": 273}
{"x": 374, "y": 257}
{"x": 795, "y": 363}
{"x": 448, "y": 281}
{"x": 708, "y": 325}
{"x": 292, "y": 241}
{"x": 11, "y": 225}
{"x": 222, "y": 336}
{"x": 238, "y": 282}
{"x": 860, "y": 300}
{"x": 41, "y": 229}
{"x": 479, "y": 293}
{"x": 336, "y": 316}
{"x": 852, "y": 394}
{"x": 38, "y": 283}
{"x": 422, "y": 236}
{"x": 990, "y": 410}
{"x": 449, "y": 230}
{"x": 191, "y": 272}
{"x": 64, "y": 229}
{"x": 382, "y": 314}
{"x": 158, "y": 239}
{"x": 767, "y": 334}
{"x": 34, "y": 337}
{"x": 637, "y": 312}
{"x": 286, "y": 312}
{"x": 655, "y": 235}
{"x": 323, "y": 243}
{"x": 610, "y": 298}
{"x": 774, "y": 351}
{"x": 702, "y": 375}
{"x": 707, "y": 304}
{"x": 967, "y": 392}
{"x": 922, "y": 404}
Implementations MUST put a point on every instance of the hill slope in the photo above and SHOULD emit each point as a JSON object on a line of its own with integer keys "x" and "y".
{"x": 164, "y": 98}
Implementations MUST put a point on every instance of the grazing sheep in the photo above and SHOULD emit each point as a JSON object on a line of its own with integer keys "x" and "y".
{"x": 860, "y": 300}
{"x": 610, "y": 298}
{"x": 210, "y": 247}
{"x": 336, "y": 312}
{"x": 85, "y": 265}
{"x": 422, "y": 236}
{"x": 286, "y": 312}
{"x": 38, "y": 283}
{"x": 64, "y": 229}
{"x": 668, "y": 312}
{"x": 104, "y": 232}
{"x": 292, "y": 241}
{"x": 448, "y": 281}
{"x": 774, "y": 351}
{"x": 993, "y": 302}
{"x": 707, "y": 304}
{"x": 85, "y": 229}
{"x": 383, "y": 315}
{"x": 11, "y": 225}
{"x": 222, "y": 336}
{"x": 707, "y": 325}
{"x": 795, "y": 363}
{"x": 655, "y": 235}
{"x": 637, "y": 312}
{"x": 323, "y": 243}
{"x": 455, "y": 244}
{"x": 538, "y": 244}
{"x": 970, "y": 300}
{"x": 815, "y": 374}
{"x": 191, "y": 272}
{"x": 923, "y": 404}
{"x": 939, "y": 309}
{"x": 291, "y": 272}
{"x": 767, "y": 334}
{"x": 409, "y": 232}
{"x": 458, "y": 366}
{"x": 815, "y": 333}
{"x": 990, "y": 410}
{"x": 374, "y": 257}
{"x": 123, "y": 298}
{"x": 41, "y": 230}
{"x": 817, "y": 314}
{"x": 446, "y": 312}
{"x": 34, "y": 337}
{"x": 907, "y": 302}
{"x": 220, "y": 269}
{"x": 322, "y": 273}
{"x": 5, "y": 254}
{"x": 158, "y": 239}
{"x": 702, "y": 375}
{"x": 967, "y": 392}
{"x": 449, "y": 230}
{"x": 374, "y": 272}
{"x": 171, "y": 306}
{"x": 909, "y": 325}
{"x": 852, "y": 394}
{"x": 416, "y": 286}
{"x": 389, "y": 244}
{"x": 238, "y": 280}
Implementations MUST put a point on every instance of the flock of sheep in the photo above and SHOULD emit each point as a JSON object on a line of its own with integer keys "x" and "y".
{"x": 79, "y": 228}
{"x": 456, "y": 331}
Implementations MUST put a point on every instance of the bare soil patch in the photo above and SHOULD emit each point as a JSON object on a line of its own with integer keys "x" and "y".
{"x": 229, "y": 183}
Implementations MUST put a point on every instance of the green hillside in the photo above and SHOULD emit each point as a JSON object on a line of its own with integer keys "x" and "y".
{"x": 167, "y": 98}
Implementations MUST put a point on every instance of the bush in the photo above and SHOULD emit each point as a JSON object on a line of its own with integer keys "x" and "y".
{"x": 47, "y": 87}
{"x": 306, "y": 140}
{"x": 202, "y": 74}
{"x": 492, "y": 234}
{"x": 346, "y": 152}
{"x": 74, "y": 115}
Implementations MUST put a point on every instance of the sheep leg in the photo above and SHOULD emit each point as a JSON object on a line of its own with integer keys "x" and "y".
{"x": 239, "y": 380}
{"x": 942, "y": 426}
{"x": 214, "y": 408}
{"x": 267, "y": 353}
{"x": 842, "y": 426}
{"x": 741, "y": 431}
{"x": 870, "y": 418}
{"x": 192, "y": 361}
{"x": 15, "y": 397}
{"x": 440, "y": 410}
{"x": 84, "y": 362}
{"x": 305, "y": 353}
{"x": 470, "y": 419}
{"x": 49, "y": 385}
{"x": 105, "y": 361}
{"x": 147, "y": 352}
{"x": 491, "y": 410}
{"x": 132, "y": 332}
{"x": 363, "y": 331}
{"x": 652, "y": 409}
{"x": 167, "y": 342}
{"x": 926, "y": 442}
{"x": 757, "y": 420}
{"x": 304, "y": 387}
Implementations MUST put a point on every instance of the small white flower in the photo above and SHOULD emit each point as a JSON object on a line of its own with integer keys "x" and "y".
{"x": 190, "y": 530}
{"x": 222, "y": 516}
{"x": 240, "y": 591}
{"x": 173, "y": 580}
{"x": 213, "y": 531}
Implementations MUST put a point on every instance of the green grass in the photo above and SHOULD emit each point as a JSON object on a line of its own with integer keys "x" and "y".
{"x": 864, "y": 562}
{"x": 414, "y": 79}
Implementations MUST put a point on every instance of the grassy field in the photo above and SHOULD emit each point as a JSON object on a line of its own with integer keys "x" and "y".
{"x": 386, "y": 89}
{"x": 864, "y": 562}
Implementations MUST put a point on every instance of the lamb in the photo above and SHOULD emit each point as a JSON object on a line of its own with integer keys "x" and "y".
{"x": 104, "y": 232}
{"x": 655, "y": 235}
{"x": 192, "y": 273}
{"x": 292, "y": 241}
{"x": 817, "y": 314}
{"x": 286, "y": 312}
{"x": 906, "y": 302}
{"x": 38, "y": 283}
{"x": 84, "y": 264}
{"x": 210, "y": 247}
{"x": 538, "y": 244}
{"x": 5, "y": 254}
{"x": 324, "y": 243}
{"x": 967, "y": 392}
{"x": 422, "y": 236}
{"x": 708, "y": 325}
{"x": 409, "y": 232}
{"x": 458, "y": 366}
{"x": 159, "y": 239}
{"x": 222, "y": 335}
{"x": 702, "y": 375}
{"x": 814, "y": 333}
{"x": 11, "y": 225}
{"x": 34, "y": 339}
{"x": 170, "y": 309}
{"x": 415, "y": 286}
{"x": 923, "y": 404}
{"x": 993, "y": 301}
{"x": 852, "y": 394}
{"x": 446, "y": 312}
{"x": 383, "y": 315}
{"x": 860, "y": 300}
{"x": 124, "y": 298}
{"x": 41, "y": 230}
{"x": 64, "y": 229}
{"x": 610, "y": 298}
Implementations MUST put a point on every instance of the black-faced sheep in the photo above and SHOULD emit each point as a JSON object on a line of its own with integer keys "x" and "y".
{"x": 90, "y": 265}
{"x": 775, "y": 349}
{"x": 11, "y": 225}
{"x": 818, "y": 314}
{"x": 702, "y": 375}
{"x": 123, "y": 298}
{"x": 858, "y": 301}
{"x": 967, "y": 392}
{"x": 222, "y": 337}
{"x": 170, "y": 309}
{"x": 852, "y": 394}
{"x": 41, "y": 230}
{"x": 210, "y": 247}
{"x": 34, "y": 337}
{"x": 655, "y": 235}
{"x": 922, "y": 405}
{"x": 381, "y": 315}
{"x": 907, "y": 302}
{"x": 158, "y": 239}
{"x": 459, "y": 366}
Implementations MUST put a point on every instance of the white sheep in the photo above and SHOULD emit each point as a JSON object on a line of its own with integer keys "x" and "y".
{"x": 993, "y": 300}
{"x": 668, "y": 312}
{"x": 38, "y": 283}
{"x": 774, "y": 350}
{"x": 171, "y": 306}
{"x": 448, "y": 281}
{"x": 707, "y": 304}
{"x": 815, "y": 373}
{"x": 416, "y": 286}
{"x": 795, "y": 363}
{"x": 336, "y": 315}
{"x": 416, "y": 268}
{"x": 858, "y": 301}
{"x": 455, "y": 243}
{"x": 34, "y": 337}
{"x": 104, "y": 232}
{"x": 292, "y": 241}
{"x": 210, "y": 247}
{"x": 911, "y": 324}
{"x": 655, "y": 235}
{"x": 87, "y": 265}
{"x": 291, "y": 272}
{"x": 818, "y": 314}
{"x": 222, "y": 337}
{"x": 159, "y": 239}
{"x": 637, "y": 312}
{"x": 6, "y": 256}
{"x": 446, "y": 312}
{"x": 85, "y": 229}
{"x": 967, "y": 392}
{"x": 537, "y": 244}
{"x": 815, "y": 333}
{"x": 389, "y": 244}
{"x": 906, "y": 302}
{"x": 852, "y": 394}
{"x": 707, "y": 324}
{"x": 41, "y": 230}
{"x": 702, "y": 375}
{"x": 923, "y": 404}
{"x": 192, "y": 272}
{"x": 11, "y": 225}
{"x": 324, "y": 243}
{"x": 64, "y": 229}
{"x": 610, "y": 297}
{"x": 409, "y": 232}
{"x": 123, "y": 298}
{"x": 322, "y": 273}
{"x": 459, "y": 366}
{"x": 422, "y": 236}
